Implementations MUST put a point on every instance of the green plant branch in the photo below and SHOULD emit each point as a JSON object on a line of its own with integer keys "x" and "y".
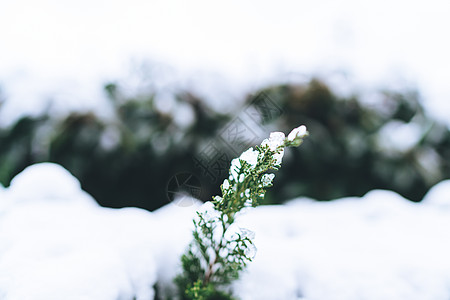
{"x": 219, "y": 252}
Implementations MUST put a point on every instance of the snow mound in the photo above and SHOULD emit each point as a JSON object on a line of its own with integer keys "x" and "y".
{"x": 378, "y": 247}
{"x": 46, "y": 182}
{"x": 57, "y": 243}
{"x": 439, "y": 195}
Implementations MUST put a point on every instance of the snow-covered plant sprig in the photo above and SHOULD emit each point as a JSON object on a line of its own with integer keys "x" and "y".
{"x": 220, "y": 249}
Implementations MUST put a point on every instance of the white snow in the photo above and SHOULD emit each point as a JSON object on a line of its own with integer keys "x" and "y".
{"x": 275, "y": 140}
{"x": 250, "y": 156}
{"x": 439, "y": 195}
{"x": 298, "y": 132}
{"x": 64, "y": 52}
{"x": 397, "y": 136}
{"x": 57, "y": 243}
{"x": 377, "y": 247}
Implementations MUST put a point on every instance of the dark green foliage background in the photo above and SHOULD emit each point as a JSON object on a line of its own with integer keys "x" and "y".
{"x": 340, "y": 158}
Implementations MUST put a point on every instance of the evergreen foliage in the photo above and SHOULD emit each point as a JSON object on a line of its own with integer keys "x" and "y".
{"x": 220, "y": 250}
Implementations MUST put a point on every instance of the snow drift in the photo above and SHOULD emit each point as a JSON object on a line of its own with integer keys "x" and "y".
{"x": 57, "y": 243}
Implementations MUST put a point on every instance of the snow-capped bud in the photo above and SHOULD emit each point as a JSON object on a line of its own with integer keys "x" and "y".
{"x": 226, "y": 184}
{"x": 299, "y": 132}
{"x": 235, "y": 168}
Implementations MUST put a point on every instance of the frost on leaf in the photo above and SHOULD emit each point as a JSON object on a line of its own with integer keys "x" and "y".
{"x": 276, "y": 139}
{"x": 267, "y": 179}
{"x": 250, "y": 156}
{"x": 235, "y": 168}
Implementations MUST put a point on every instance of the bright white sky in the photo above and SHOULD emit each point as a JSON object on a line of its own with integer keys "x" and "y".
{"x": 66, "y": 50}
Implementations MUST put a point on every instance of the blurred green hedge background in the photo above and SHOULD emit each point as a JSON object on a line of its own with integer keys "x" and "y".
{"x": 131, "y": 158}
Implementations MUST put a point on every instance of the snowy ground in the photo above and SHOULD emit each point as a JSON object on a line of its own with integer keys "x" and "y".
{"x": 57, "y": 243}
{"x": 65, "y": 51}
